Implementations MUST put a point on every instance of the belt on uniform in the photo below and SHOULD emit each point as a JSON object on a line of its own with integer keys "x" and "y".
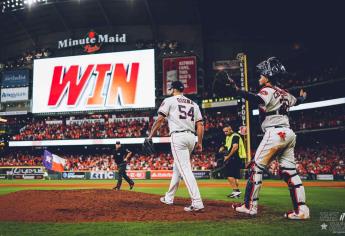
{"x": 272, "y": 113}
{"x": 182, "y": 131}
{"x": 277, "y": 127}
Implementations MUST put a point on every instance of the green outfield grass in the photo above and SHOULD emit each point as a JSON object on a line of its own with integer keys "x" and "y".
{"x": 277, "y": 199}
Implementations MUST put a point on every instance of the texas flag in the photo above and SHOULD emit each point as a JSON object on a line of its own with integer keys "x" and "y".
{"x": 53, "y": 162}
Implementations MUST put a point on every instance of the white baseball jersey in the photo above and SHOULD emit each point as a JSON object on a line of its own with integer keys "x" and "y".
{"x": 278, "y": 142}
{"x": 278, "y": 100}
{"x": 181, "y": 112}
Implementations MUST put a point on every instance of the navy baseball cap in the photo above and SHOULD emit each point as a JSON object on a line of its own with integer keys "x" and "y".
{"x": 177, "y": 85}
{"x": 118, "y": 142}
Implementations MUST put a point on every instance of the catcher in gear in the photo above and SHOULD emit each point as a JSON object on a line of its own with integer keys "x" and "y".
{"x": 278, "y": 142}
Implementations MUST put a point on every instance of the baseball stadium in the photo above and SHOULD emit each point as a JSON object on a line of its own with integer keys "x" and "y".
{"x": 184, "y": 117}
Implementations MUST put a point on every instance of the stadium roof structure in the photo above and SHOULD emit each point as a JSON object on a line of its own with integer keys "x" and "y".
{"x": 255, "y": 20}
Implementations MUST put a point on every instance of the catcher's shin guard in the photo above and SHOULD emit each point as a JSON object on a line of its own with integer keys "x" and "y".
{"x": 296, "y": 188}
{"x": 254, "y": 183}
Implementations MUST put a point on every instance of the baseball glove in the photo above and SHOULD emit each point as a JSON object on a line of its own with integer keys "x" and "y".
{"x": 223, "y": 85}
{"x": 148, "y": 148}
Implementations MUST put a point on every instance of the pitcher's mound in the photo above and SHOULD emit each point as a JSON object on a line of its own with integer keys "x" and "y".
{"x": 103, "y": 205}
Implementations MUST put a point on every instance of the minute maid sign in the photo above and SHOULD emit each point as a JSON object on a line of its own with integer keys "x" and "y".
{"x": 92, "y": 41}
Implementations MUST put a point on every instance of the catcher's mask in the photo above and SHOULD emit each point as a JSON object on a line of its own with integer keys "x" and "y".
{"x": 271, "y": 68}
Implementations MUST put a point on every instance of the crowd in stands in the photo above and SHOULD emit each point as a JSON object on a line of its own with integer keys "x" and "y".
{"x": 217, "y": 121}
{"x": 102, "y": 126}
{"x": 99, "y": 162}
{"x": 307, "y": 77}
{"x": 85, "y": 130}
{"x": 89, "y": 128}
{"x": 125, "y": 126}
{"x": 310, "y": 161}
{"x": 318, "y": 119}
{"x": 26, "y": 59}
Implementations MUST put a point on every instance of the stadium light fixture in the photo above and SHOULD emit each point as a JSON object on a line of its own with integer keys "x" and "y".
{"x": 30, "y": 2}
{"x": 14, "y": 5}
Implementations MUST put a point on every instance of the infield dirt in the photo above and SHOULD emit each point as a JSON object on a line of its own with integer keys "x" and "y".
{"x": 101, "y": 205}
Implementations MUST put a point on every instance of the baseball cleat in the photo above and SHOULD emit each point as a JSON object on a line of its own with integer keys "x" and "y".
{"x": 131, "y": 186}
{"x": 162, "y": 199}
{"x": 193, "y": 209}
{"x": 234, "y": 195}
{"x": 241, "y": 208}
{"x": 116, "y": 188}
{"x": 303, "y": 214}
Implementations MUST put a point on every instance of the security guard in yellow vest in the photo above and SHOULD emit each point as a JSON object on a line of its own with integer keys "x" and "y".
{"x": 235, "y": 151}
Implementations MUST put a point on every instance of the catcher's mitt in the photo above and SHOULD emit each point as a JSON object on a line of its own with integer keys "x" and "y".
{"x": 223, "y": 85}
{"x": 148, "y": 148}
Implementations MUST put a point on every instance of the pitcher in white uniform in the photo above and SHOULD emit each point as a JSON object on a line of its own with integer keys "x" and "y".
{"x": 278, "y": 142}
{"x": 183, "y": 116}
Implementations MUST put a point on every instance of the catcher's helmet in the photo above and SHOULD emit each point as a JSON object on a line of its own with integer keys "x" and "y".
{"x": 271, "y": 68}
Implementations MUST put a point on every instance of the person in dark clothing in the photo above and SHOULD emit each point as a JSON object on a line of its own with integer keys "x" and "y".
{"x": 121, "y": 157}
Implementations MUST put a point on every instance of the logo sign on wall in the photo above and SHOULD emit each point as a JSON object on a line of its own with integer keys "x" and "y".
{"x": 73, "y": 175}
{"x": 27, "y": 173}
{"x": 92, "y": 41}
{"x": 15, "y": 78}
{"x": 161, "y": 174}
{"x": 28, "y": 170}
{"x": 94, "y": 82}
{"x": 14, "y": 94}
{"x": 102, "y": 175}
{"x": 136, "y": 174}
{"x": 182, "y": 69}
{"x": 201, "y": 174}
